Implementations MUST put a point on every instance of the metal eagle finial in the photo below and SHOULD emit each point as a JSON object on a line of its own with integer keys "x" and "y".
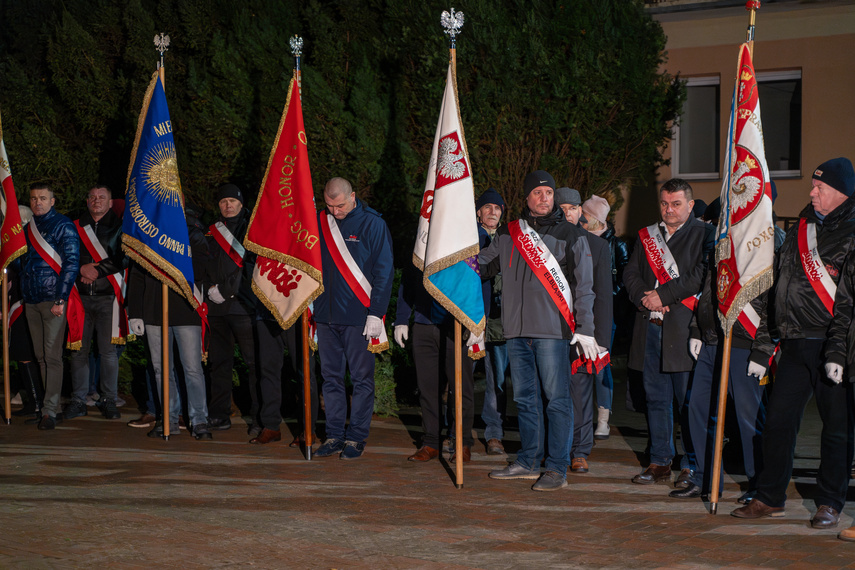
{"x": 161, "y": 42}
{"x": 452, "y": 22}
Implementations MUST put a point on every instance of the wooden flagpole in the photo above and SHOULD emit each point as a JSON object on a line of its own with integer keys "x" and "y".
{"x": 5, "y": 308}
{"x": 164, "y": 346}
{"x": 721, "y": 410}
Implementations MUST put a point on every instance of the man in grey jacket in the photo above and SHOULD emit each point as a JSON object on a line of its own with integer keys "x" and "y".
{"x": 547, "y": 304}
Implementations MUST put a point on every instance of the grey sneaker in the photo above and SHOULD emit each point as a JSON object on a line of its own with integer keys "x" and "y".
{"x": 330, "y": 447}
{"x": 75, "y": 409}
{"x": 515, "y": 471}
{"x": 550, "y": 481}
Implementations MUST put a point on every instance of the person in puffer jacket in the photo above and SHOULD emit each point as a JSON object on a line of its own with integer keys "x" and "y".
{"x": 46, "y": 292}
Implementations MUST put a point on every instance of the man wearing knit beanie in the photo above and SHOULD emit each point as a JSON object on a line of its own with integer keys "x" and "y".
{"x": 812, "y": 285}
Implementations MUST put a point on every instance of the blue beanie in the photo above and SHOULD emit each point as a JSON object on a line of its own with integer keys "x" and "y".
{"x": 837, "y": 173}
{"x": 490, "y": 196}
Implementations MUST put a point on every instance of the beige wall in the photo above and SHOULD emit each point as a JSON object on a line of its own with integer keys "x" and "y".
{"x": 782, "y": 43}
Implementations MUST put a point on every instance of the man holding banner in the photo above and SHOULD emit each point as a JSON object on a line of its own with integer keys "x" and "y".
{"x": 807, "y": 271}
{"x": 547, "y": 304}
{"x": 48, "y": 271}
{"x": 356, "y": 250}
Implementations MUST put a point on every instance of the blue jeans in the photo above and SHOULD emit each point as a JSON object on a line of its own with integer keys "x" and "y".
{"x": 188, "y": 340}
{"x": 541, "y": 367}
{"x": 342, "y": 346}
{"x": 661, "y": 389}
{"x": 749, "y": 404}
{"x": 604, "y": 383}
{"x": 495, "y": 398}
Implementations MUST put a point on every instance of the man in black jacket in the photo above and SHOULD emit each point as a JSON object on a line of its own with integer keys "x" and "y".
{"x": 102, "y": 265}
{"x": 231, "y": 312}
{"x": 663, "y": 276}
{"x": 802, "y": 304}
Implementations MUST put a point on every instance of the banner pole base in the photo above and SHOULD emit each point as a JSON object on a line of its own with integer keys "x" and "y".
{"x": 458, "y": 485}
{"x": 308, "y": 453}
{"x": 165, "y": 438}
{"x": 713, "y": 508}
{"x": 8, "y": 421}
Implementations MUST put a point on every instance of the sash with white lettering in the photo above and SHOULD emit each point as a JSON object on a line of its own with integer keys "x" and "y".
{"x": 119, "y": 328}
{"x": 74, "y": 307}
{"x": 348, "y": 268}
{"x": 543, "y": 264}
{"x": 661, "y": 260}
{"x": 815, "y": 270}
{"x": 228, "y": 242}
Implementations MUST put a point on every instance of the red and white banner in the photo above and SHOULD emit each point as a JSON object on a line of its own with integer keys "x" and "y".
{"x": 352, "y": 274}
{"x": 119, "y": 329}
{"x": 13, "y": 242}
{"x": 545, "y": 267}
{"x": 283, "y": 229}
{"x": 661, "y": 260}
{"x": 227, "y": 240}
{"x": 814, "y": 268}
{"x": 745, "y": 247}
{"x": 74, "y": 307}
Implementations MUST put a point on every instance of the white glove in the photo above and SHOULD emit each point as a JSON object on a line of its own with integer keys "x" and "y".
{"x": 586, "y": 345}
{"x": 475, "y": 340}
{"x": 834, "y": 372}
{"x": 756, "y": 370}
{"x": 373, "y": 327}
{"x": 215, "y": 295}
{"x": 695, "y": 345}
{"x": 137, "y": 326}
{"x": 402, "y": 333}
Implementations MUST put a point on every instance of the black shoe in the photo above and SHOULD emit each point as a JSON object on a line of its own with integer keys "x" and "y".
{"x": 29, "y": 409}
{"x": 157, "y": 430}
{"x": 201, "y": 431}
{"x": 47, "y": 422}
{"x": 218, "y": 424}
{"x": 75, "y": 409}
{"x": 108, "y": 409}
{"x": 691, "y": 492}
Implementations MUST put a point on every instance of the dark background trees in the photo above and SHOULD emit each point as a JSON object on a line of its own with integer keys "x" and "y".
{"x": 572, "y": 87}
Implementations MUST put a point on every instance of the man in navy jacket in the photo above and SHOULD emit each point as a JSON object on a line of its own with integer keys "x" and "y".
{"x": 345, "y": 324}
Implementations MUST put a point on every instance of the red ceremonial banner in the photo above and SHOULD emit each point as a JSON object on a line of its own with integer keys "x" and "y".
{"x": 13, "y": 242}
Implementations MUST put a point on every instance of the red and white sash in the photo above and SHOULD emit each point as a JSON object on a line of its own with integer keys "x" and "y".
{"x": 545, "y": 267}
{"x": 230, "y": 244}
{"x": 813, "y": 266}
{"x": 352, "y": 274}
{"x": 588, "y": 366}
{"x": 119, "y": 328}
{"x": 14, "y": 312}
{"x": 661, "y": 260}
{"x": 74, "y": 307}
{"x": 749, "y": 319}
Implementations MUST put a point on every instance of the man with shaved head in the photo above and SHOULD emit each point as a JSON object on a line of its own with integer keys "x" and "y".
{"x": 356, "y": 250}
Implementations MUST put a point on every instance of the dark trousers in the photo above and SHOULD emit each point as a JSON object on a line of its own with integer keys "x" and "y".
{"x": 749, "y": 403}
{"x": 343, "y": 347}
{"x": 272, "y": 341}
{"x": 433, "y": 355}
{"x": 582, "y": 395}
{"x": 801, "y": 372}
{"x": 98, "y": 311}
{"x": 223, "y": 333}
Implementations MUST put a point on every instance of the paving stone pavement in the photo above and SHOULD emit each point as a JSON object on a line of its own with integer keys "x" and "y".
{"x": 96, "y": 492}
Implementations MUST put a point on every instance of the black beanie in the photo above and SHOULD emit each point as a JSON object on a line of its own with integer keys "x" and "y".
{"x": 535, "y": 179}
{"x": 229, "y": 191}
{"x": 838, "y": 174}
{"x": 490, "y": 196}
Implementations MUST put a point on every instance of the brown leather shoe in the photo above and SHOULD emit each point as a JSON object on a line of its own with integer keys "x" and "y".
{"x": 847, "y": 534}
{"x": 267, "y": 436}
{"x": 467, "y": 455}
{"x": 495, "y": 447}
{"x": 653, "y": 474}
{"x": 579, "y": 465}
{"x": 684, "y": 479}
{"x": 757, "y": 509}
{"x": 424, "y": 453}
{"x": 300, "y": 440}
{"x": 825, "y": 517}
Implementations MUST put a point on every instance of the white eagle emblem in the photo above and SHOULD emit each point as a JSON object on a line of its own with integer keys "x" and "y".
{"x": 450, "y": 164}
{"x": 743, "y": 189}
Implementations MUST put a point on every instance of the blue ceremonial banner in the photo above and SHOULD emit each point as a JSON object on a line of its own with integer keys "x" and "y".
{"x": 154, "y": 226}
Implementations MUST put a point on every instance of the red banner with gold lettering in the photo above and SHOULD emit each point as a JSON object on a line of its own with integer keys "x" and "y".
{"x": 283, "y": 230}
{"x": 13, "y": 241}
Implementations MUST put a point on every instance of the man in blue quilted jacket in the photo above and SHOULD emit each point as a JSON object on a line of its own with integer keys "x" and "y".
{"x": 49, "y": 269}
